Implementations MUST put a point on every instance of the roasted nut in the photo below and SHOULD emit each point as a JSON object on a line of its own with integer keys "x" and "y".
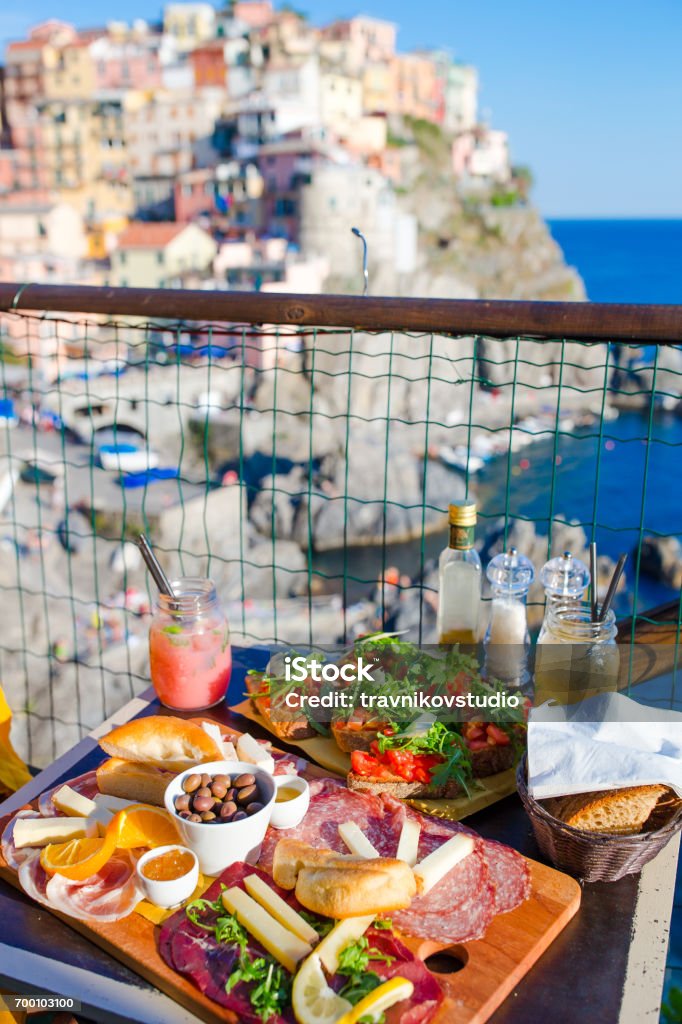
{"x": 182, "y": 802}
{"x": 191, "y": 783}
{"x": 247, "y": 794}
{"x": 254, "y": 807}
{"x": 244, "y": 780}
{"x": 202, "y": 803}
{"x": 240, "y": 815}
{"x": 194, "y": 817}
{"x": 208, "y": 816}
{"x": 227, "y": 809}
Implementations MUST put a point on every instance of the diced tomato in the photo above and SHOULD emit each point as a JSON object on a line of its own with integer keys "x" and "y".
{"x": 368, "y": 766}
{"x": 402, "y": 763}
{"x": 474, "y": 731}
{"x": 388, "y": 731}
{"x": 475, "y": 745}
{"x": 497, "y": 735}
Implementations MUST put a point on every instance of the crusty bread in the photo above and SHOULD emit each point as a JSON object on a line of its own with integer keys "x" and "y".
{"x": 612, "y": 812}
{"x": 339, "y": 886}
{"x": 491, "y": 760}
{"x": 355, "y": 739}
{"x": 133, "y": 781}
{"x": 296, "y": 727}
{"x": 162, "y": 741}
{"x": 403, "y": 790}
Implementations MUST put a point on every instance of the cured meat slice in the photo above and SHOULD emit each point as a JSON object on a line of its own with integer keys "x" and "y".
{"x": 85, "y": 784}
{"x": 13, "y": 857}
{"x": 331, "y": 804}
{"x": 511, "y": 875}
{"x": 109, "y": 895}
{"x": 427, "y": 996}
{"x": 286, "y": 765}
{"x": 33, "y": 879}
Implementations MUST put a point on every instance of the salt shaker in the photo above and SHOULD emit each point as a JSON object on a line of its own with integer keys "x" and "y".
{"x": 565, "y": 579}
{"x": 506, "y": 640}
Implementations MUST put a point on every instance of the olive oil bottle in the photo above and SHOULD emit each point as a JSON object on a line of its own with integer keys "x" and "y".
{"x": 459, "y": 579}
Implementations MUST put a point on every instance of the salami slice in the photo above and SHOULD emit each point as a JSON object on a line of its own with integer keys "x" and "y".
{"x": 85, "y": 784}
{"x": 13, "y": 857}
{"x": 511, "y": 875}
{"x": 109, "y": 895}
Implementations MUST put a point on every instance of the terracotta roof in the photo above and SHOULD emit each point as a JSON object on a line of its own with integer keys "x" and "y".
{"x": 26, "y": 44}
{"x": 141, "y": 235}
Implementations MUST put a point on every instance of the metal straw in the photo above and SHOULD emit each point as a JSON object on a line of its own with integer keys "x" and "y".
{"x": 365, "y": 272}
{"x": 611, "y": 592}
{"x": 594, "y": 612}
{"x": 154, "y": 566}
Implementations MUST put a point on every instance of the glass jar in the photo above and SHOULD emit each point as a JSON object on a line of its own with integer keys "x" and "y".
{"x": 190, "y": 656}
{"x": 565, "y": 579}
{"x": 575, "y": 658}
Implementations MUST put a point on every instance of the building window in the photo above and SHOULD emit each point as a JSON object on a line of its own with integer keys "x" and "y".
{"x": 160, "y": 256}
{"x": 121, "y": 257}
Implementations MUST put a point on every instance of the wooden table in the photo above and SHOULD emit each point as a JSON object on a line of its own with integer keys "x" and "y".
{"x": 606, "y": 967}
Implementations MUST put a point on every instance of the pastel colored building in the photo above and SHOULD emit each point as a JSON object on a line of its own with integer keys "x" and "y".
{"x": 482, "y": 154}
{"x": 461, "y": 98}
{"x": 190, "y": 24}
{"x": 161, "y": 255}
{"x": 414, "y": 87}
{"x": 340, "y": 103}
{"x": 208, "y": 65}
{"x": 126, "y": 64}
{"x": 71, "y": 75}
{"x": 39, "y": 238}
{"x": 168, "y": 133}
{"x": 377, "y": 88}
{"x": 355, "y": 42}
{"x": 254, "y": 13}
{"x": 292, "y": 89}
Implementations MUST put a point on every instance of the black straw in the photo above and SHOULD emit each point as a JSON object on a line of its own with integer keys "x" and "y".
{"x": 154, "y": 566}
{"x": 593, "y": 574}
{"x": 611, "y": 592}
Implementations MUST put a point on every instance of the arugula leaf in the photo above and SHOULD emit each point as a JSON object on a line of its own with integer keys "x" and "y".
{"x": 228, "y": 929}
{"x": 271, "y": 993}
{"x": 322, "y": 925}
{"x": 383, "y": 923}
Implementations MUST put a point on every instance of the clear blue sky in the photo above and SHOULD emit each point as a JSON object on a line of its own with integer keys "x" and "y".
{"x": 590, "y": 91}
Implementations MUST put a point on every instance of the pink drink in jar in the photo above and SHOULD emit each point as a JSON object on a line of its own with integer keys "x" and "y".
{"x": 189, "y": 646}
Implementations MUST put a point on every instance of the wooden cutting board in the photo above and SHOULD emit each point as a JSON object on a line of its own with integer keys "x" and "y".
{"x": 492, "y": 966}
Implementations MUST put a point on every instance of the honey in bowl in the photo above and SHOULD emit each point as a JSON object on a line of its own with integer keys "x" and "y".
{"x": 169, "y": 865}
{"x": 285, "y": 793}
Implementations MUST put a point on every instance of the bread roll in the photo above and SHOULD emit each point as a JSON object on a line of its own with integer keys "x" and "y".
{"x": 612, "y": 812}
{"x": 162, "y": 741}
{"x": 339, "y": 886}
{"x": 132, "y": 781}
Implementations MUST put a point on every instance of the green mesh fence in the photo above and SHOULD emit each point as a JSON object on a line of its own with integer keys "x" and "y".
{"x": 308, "y": 471}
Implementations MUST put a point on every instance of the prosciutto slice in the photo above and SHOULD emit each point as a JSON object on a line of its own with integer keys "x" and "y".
{"x": 85, "y": 784}
{"x": 109, "y": 895}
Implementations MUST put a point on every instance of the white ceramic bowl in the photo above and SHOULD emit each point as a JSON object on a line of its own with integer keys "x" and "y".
{"x": 290, "y": 813}
{"x": 219, "y": 845}
{"x": 174, "y": 891}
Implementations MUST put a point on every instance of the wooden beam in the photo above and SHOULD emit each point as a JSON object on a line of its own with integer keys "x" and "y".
{"x": 580, "y": 321}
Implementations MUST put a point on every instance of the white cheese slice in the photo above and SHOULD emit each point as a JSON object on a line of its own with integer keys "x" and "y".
{"x": 113, "y": 804}
{"x": 41, "y": 831}
{"x": 214, "y": 731}
{"x": 99, "y": 819}
{"x": 434, "y": 867}
{"x": 280, "y": 909}
{"x": 253, "y": 752}
{"x": 68, "y": 801}
{"x": 342, "y": 934}
{"x": 356, "y": 840}
{"x": 229, "y": 751}
{"x": 408, "y": 844}
{"x": 278, "y": 940}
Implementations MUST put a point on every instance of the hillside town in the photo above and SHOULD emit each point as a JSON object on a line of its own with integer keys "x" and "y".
{"x": 224, "y": 149}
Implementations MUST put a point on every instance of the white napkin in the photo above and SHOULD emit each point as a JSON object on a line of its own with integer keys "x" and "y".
{"x": 606, "y": 742}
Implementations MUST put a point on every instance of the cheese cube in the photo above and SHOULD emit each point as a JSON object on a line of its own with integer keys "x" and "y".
{"x": 280, "y": 909}
{"x": 434, "y": 867}
{"x": 278, "y": 940}
{"x": 41, "y": 831}
{"x": 408, "y": 844}
{"x": 68, "y": 801}
{"x": 342, "y": 934}
{"x": 356, "y": 840}
{"x": 253, "y": 752}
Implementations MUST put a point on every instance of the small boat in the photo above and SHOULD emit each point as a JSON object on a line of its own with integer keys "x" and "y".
{"x": 130, "y": 481}
{"x": 8, "y": 415}
{"x": 127, "y": 458}
{"x": 462, "y": 458}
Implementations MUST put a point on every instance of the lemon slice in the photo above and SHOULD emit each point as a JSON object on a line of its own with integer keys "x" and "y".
{"x": 378, "y": 1001}
{"x": 313, "y": 1001}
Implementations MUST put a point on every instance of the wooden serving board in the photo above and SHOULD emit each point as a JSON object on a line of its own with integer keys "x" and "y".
{"x": 493, "y": 966}
{"x": 325, "y": 752}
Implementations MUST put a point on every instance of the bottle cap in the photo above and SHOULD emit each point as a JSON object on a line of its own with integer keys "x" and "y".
{"x": 462, "y": 514}
{"x": 564, "y": 576}
{"x": 510, "y": 572}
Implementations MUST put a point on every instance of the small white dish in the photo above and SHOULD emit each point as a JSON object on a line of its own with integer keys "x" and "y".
{"x": 290, "y": 813}
{"x": 173, "y": 891}
{"x": 219, "y": 844}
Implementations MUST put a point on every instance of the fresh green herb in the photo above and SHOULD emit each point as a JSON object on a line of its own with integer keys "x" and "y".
{"x": 355, "y": 957}
{"x": 200, "y": 906}
{"x": 322, "y": 925}
{"x": 383, "y": 923}
{"x": 439, "y": 740}
{"x": 228, "y": 929}
{"x": 359, "y": 986}
{"x": 271, "y": 992}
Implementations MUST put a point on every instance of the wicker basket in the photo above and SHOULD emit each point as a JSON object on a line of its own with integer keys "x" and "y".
{"x": 587, "y": 855}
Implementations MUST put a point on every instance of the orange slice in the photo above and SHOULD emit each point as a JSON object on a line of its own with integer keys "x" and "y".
{"x": 79, "y": 858}
{"x": 142, "y": 825}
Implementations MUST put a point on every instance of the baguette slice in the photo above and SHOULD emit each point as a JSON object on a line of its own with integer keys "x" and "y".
{"x": 349, "y": 740}
{"x": 611, "y": 812}
{"x": 492, "y": 760}
{"x": 139, "y": 782}
{"x": 162, "y": 741}
{"x": 295, "y": 728}
{"x": 402, "y": 790}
